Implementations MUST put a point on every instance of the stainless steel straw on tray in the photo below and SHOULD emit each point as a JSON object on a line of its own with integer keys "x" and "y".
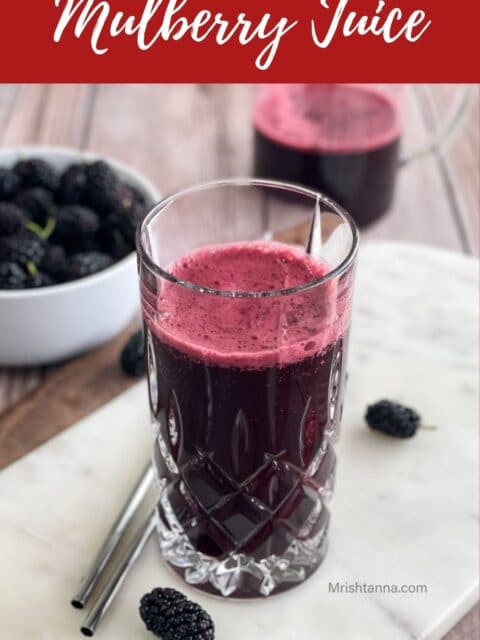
{"x": 121, "y": 523}
{"x": 125, "y": 563}
{"x": 129, "y": 556}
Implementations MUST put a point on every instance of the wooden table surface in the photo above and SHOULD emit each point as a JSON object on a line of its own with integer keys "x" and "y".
{"x": 182, "y": 134}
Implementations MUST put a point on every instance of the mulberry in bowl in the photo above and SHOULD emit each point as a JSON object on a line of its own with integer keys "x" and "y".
{"x": 68, "y": 278}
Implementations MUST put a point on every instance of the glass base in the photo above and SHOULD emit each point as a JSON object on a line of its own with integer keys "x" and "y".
{"x": 238, "y": 575}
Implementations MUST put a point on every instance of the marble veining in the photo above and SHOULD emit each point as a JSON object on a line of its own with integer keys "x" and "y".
{"x": 404, "y": 512}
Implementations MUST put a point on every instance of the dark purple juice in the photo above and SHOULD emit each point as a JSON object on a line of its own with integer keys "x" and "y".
{"x": 247, "y": 397}
{"x": 342, "y": 140}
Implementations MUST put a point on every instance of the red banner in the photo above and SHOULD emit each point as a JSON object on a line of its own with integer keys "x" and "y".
{"x": 249, "y": 40}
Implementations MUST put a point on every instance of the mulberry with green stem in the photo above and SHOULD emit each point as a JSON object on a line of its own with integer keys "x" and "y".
{"x": 393, "y": 419}
{"x": 38, "y": 204}
{"x": 22, "y": 248}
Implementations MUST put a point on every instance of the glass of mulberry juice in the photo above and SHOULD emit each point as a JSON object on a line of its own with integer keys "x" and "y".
{"x": 247, "y": 340}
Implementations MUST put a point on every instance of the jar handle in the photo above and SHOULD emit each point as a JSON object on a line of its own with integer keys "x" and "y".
{"x": 448, "y": 130}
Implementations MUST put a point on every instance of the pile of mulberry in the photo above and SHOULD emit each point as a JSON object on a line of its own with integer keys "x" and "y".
{"x": 56, "y": 227}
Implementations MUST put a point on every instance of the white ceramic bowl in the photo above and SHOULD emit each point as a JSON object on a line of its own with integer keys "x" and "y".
{"x": 41, "y": 326}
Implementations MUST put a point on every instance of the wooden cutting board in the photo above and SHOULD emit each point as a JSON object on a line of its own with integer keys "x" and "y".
{"x": 67, "y": 394}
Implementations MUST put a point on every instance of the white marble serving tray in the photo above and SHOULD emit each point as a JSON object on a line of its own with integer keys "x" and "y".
{"x": 404, "y": 512}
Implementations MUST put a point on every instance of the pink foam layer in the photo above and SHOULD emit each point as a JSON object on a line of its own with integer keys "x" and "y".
{"x": 245, "y": 332}
{"x": 330, "y": 118}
